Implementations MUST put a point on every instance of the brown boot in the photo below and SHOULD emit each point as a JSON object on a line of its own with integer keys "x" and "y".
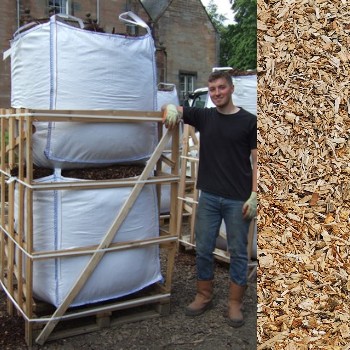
{"x": 235, "y": 305}
{"x": 203, "y": 299}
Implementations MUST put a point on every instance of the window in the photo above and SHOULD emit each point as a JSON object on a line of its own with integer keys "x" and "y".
{"x": 58, "y": 6}
{"x": 187, "y": 83}
{"x": 200, "y": 99}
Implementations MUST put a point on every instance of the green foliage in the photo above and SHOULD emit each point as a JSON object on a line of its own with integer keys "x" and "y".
{"x": 238, "y": 41}
{"x": 215, "y": 17}
{"x": 242, "y": 35}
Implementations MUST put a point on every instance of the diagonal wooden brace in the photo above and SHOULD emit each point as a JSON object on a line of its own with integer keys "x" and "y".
{"x": 107, "y": 240}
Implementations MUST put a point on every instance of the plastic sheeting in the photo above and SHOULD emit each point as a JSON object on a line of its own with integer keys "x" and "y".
{"x": 58, "y": 66}
{"x": 80, "y": 218}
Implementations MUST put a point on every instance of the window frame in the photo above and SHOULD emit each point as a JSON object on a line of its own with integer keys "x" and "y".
{"x": 187, "y": 83}
{"x": 59, "y": 6}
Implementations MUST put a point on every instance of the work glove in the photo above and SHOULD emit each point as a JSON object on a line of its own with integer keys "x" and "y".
{"x": 171, "y": 117}
{"x": 249, "y": 207}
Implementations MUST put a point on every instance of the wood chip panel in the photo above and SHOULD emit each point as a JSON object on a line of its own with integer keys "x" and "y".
{"x": 304, "y": 174}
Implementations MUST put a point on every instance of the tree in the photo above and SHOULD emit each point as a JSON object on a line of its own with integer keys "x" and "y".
{"x": 215, "y": 17}
{"x": 238, "y": 40}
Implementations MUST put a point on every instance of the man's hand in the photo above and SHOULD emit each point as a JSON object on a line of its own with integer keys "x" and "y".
{"x": 249, "y": 207}
{"x": 171, "y": 116}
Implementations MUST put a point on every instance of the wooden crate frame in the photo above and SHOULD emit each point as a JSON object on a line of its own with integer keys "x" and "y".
{"x": 188, "y": 200}
{"x": 16, "y": 151}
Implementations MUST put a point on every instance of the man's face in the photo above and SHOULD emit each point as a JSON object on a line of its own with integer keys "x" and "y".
{"x": 220, "y": 92}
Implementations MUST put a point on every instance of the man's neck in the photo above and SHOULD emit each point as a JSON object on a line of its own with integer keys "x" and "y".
{"x": 230, "y": 109}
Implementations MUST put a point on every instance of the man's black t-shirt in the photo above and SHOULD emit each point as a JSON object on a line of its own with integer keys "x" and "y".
{"x": 226, "y": 141}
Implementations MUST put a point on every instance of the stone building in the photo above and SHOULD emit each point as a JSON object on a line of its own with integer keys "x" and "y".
{"x": 186, "y": 40}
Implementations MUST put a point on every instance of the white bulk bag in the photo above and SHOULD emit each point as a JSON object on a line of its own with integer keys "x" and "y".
{"x": 58, "y": 66}
{"x": 82, "y": 145}
{"x": 166, "y": 93}
{"x": 66, "y": 219}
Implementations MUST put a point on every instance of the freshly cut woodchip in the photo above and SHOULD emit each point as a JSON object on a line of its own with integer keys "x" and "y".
{"x": 304, "y": 174}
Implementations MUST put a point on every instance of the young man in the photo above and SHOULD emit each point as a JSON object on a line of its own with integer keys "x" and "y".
{"x": 227, "y": 179}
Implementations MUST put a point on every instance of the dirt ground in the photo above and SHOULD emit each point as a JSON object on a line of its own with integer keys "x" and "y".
{"x": 173, "y": 331}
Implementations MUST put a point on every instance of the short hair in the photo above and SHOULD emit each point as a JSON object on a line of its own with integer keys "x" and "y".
{"x": 220, "y": 75}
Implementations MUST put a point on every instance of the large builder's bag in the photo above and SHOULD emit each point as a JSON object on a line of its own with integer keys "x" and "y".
{"x": 65, "y": 219}
{"x": 58, "y": 66}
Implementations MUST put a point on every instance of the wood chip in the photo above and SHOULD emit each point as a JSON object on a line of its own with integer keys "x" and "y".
{"x": 304, "y": 174}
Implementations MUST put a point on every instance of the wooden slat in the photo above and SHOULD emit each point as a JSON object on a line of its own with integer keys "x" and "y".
{"x": 98, "y": 184}
{"x": 11, "y": 187}
{"x": 117, "y": 246}
{"x": 20, "y": 200}
{"x": 182, "y": 183}
{"x": 29, "y": 231}
{"x": 173, "y": 220}
{"x": 101, "y": 116}
{"x": 185, "y": 206}
{"x": 3, "y": 125}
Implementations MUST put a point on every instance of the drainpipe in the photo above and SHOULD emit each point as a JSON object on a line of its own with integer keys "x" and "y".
{"x": 98, "y": 11}
{"x": 217, "y": 58}
{"x": 17, "y": 14}
{"x": 68, "y": 7}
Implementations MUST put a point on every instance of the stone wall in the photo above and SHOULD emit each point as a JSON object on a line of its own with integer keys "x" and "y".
{"x": 190, "y": 41}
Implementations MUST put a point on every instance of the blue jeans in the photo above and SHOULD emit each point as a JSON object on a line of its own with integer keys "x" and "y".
{"x": 210, "y": 212}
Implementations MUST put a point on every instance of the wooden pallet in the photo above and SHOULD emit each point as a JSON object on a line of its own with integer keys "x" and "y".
{"x": 149, "y": 303}
{"x": 17, "y": 254}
